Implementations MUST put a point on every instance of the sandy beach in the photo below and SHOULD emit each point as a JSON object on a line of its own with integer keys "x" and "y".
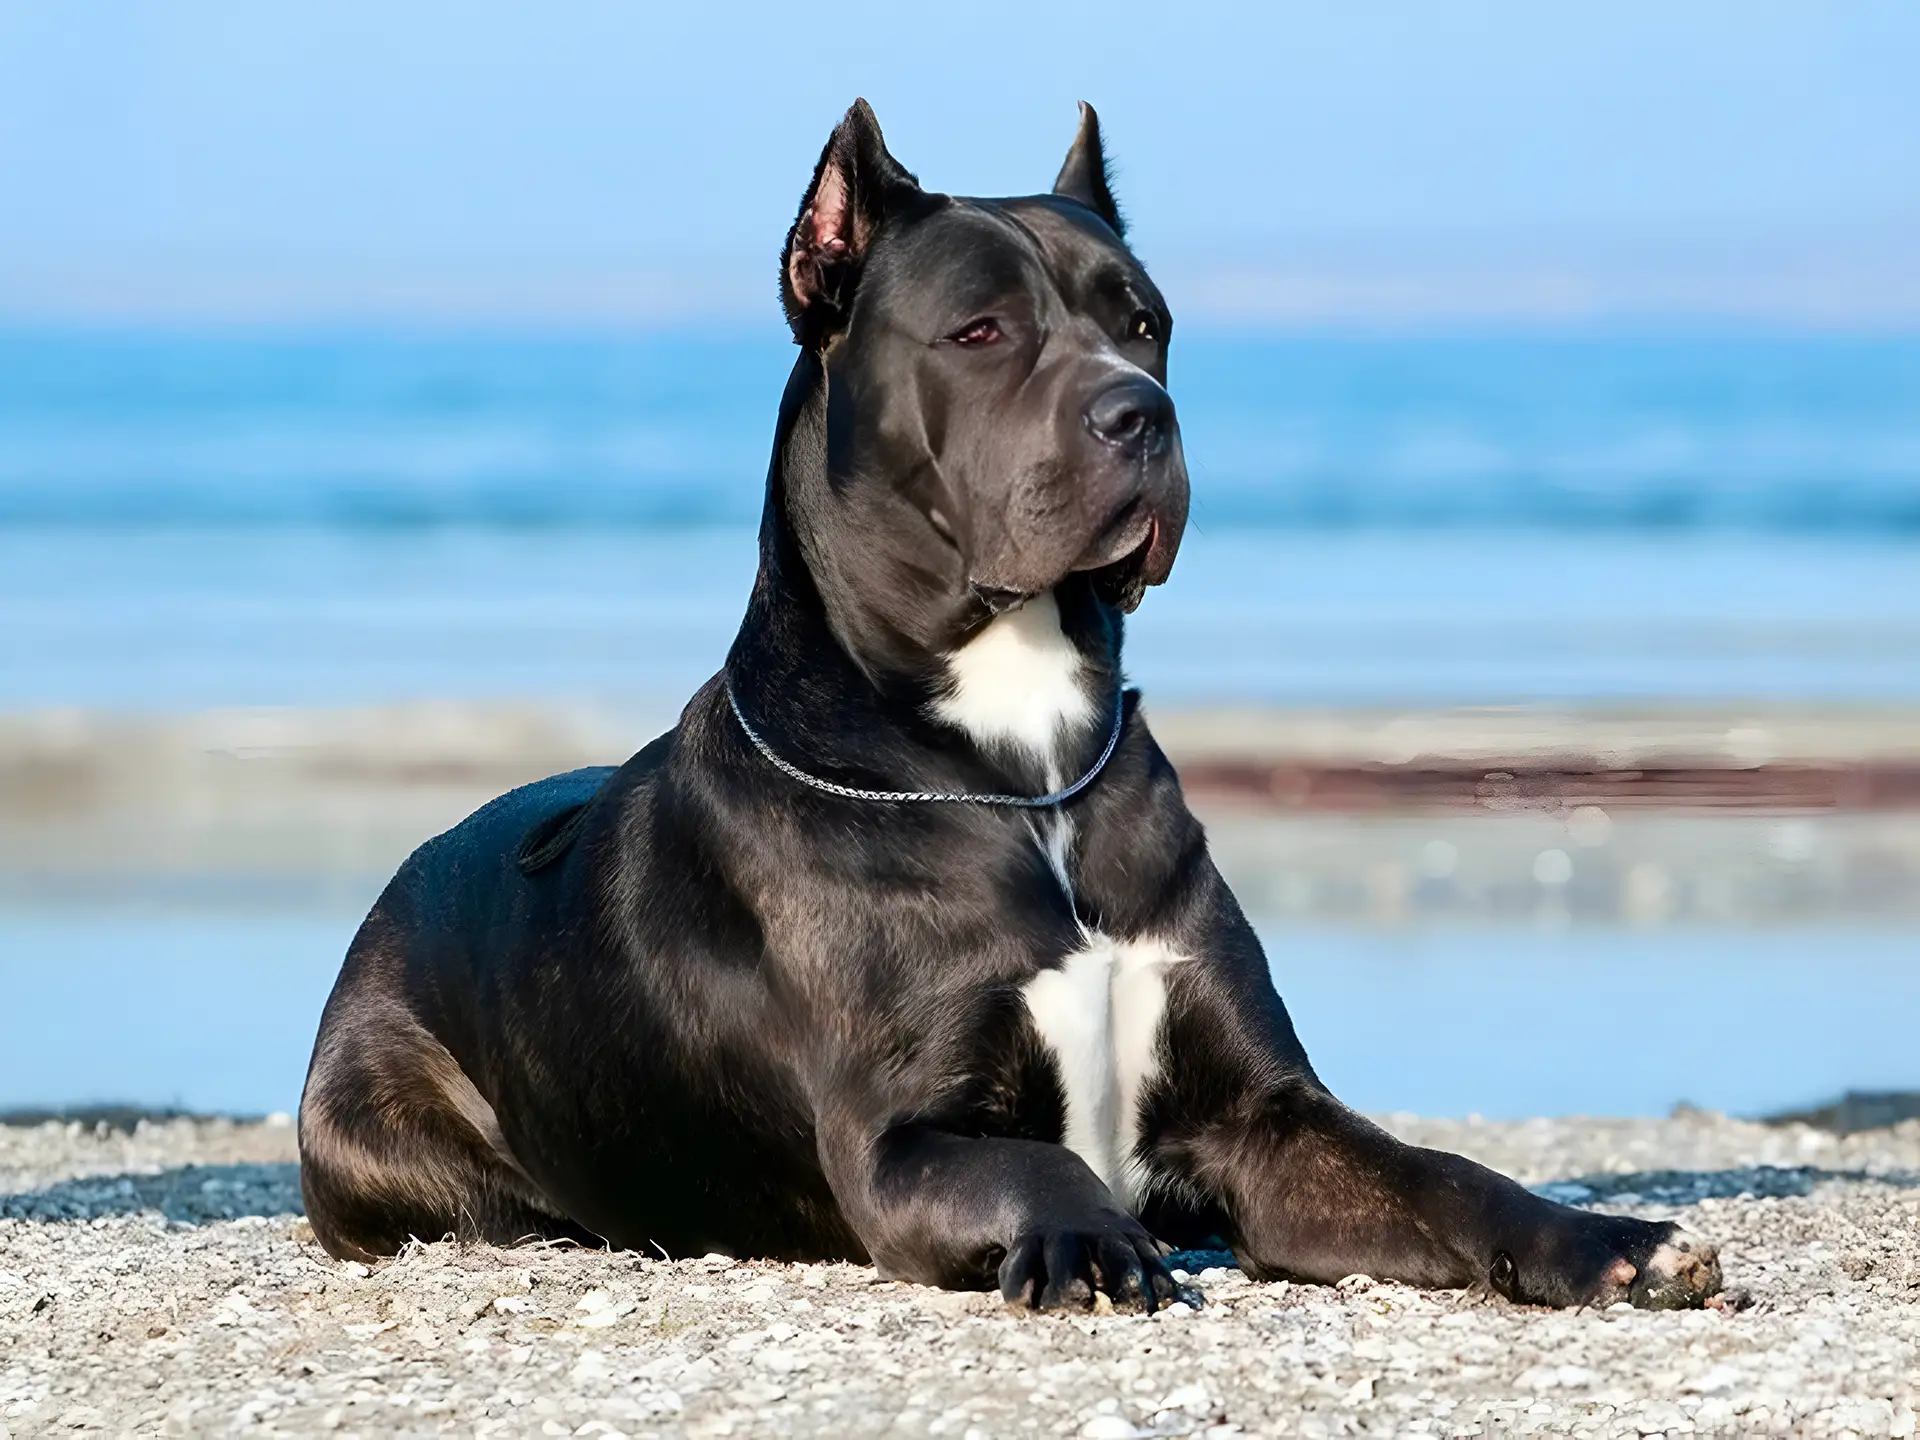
{"x": 160, "y": 1281}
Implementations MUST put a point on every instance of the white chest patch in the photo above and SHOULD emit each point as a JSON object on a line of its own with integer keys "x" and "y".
{"x": 1019, "y": 682}
{"x": 1100, "y": 1013}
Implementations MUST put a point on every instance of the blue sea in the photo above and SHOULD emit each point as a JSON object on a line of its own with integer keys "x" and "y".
{"x": 266, "y": 518}
{"x": 1788, "y": 437}
{"x": 250, "y": 519}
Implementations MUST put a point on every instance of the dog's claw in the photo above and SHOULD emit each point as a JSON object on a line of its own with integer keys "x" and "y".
{"x": 1066, "y": 1269}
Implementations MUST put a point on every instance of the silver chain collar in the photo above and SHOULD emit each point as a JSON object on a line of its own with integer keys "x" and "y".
{"x": 950, "y": 797}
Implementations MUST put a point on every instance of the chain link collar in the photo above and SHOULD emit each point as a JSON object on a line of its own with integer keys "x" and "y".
{"x": 949, "y": 797}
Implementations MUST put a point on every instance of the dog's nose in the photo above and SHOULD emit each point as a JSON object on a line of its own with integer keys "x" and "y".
{"x": 1133, "y": 416}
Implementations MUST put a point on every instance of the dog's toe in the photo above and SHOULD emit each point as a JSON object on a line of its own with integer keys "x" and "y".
{"x": 1596, "y": 1261}
{"x": 1681, "y": 1274}
{"x": 1064, "y": 1269}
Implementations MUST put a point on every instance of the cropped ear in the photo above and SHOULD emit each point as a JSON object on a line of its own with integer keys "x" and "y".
{"x": 1084, "y": 176}
{"x": 856, "y": 186}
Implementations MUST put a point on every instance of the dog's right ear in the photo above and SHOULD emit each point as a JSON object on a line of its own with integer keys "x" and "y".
{"x": 856, "y": 185}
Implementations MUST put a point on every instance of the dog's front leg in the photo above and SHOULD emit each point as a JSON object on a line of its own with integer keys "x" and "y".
{"x": 966, "y": 1211}
{"x": 1305, "y": 1188}
{"x": 1312, "y": 1191}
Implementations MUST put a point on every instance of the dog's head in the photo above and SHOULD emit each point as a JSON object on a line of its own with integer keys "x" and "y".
{"x": 997, "y": 416}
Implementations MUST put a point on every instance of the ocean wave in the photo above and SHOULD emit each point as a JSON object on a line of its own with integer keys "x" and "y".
{"x": 1776, "y": 435}
{"x": 1810, "y": 509}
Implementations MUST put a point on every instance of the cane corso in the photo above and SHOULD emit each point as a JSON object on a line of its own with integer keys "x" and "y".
{"x": 903, "y": 945}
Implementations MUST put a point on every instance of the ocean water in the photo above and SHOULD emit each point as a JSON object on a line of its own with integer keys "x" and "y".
{"x": 259, "y": 519}
{"x": 272, "y": 519}
{"x": 1788, "y": 436}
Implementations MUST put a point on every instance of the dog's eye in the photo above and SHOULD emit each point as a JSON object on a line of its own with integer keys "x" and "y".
{"x": 983, "y": 331}
{"x": 1143, "y": 326}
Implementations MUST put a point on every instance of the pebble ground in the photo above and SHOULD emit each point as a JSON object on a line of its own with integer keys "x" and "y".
{"x": 162, "y": 1282}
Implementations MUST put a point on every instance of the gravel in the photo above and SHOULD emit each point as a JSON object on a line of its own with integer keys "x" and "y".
{"x": 161, "y": 1282}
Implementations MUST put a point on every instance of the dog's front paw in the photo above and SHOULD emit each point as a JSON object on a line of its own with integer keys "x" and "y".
{"x": 1601, "y": 1260}
{"x": 1674, "y": 1271}
{"x": 1064, "y": 1267}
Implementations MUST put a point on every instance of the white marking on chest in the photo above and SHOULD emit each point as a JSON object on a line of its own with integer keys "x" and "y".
{"x": 1100, "y": 1013}
{"x": 1019, "y": 682}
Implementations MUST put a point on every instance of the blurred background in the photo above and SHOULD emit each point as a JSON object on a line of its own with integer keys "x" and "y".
{"x": 386, "y": 393}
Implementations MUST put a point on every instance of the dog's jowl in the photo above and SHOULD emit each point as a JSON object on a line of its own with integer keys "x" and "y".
{"x": 903, "y": 946}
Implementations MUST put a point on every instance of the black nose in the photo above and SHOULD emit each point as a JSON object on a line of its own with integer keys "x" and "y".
{"x": 1133, "y": 416}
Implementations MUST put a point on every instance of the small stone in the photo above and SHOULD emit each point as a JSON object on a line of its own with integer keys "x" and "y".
{"x": 591, "y": 1365}
{"x": 1715, "y": 1381}
{"x": 1111, "y": 1427}
{"x": 1192, "y": 1398}
{"x": 597, "y": 1309}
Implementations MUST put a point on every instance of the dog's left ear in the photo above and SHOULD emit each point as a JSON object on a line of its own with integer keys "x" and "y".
{"x": 1084, "y": 177}
{"x": 856, "y": 186}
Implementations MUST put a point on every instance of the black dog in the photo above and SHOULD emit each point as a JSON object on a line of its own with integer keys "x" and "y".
{"x": 811, "y": 976}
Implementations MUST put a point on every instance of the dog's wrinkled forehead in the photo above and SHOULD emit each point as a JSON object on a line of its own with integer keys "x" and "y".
{"x": 865, "y": 225}
{"x": 1043, "y": 257}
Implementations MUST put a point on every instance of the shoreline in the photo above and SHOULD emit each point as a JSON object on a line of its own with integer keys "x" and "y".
{"x": 1856, "y": 1112}
{"x": 1663, "y": 815}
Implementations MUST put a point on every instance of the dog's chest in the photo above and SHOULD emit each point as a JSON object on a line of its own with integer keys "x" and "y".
{"x": 1021, "y": 684}
{"x": 1099, "y": 1014}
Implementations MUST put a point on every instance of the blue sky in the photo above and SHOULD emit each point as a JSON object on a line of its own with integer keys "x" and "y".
{"x": 204, "y": 159}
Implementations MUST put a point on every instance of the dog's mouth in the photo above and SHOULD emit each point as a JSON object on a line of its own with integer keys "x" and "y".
{"x": 1122, "y": 583}
{"x": 1132, "y": 551}
{"x": 1130, "y": 555}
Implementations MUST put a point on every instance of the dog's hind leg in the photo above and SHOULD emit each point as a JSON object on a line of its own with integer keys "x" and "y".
{"x": 396, "y": 1143}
